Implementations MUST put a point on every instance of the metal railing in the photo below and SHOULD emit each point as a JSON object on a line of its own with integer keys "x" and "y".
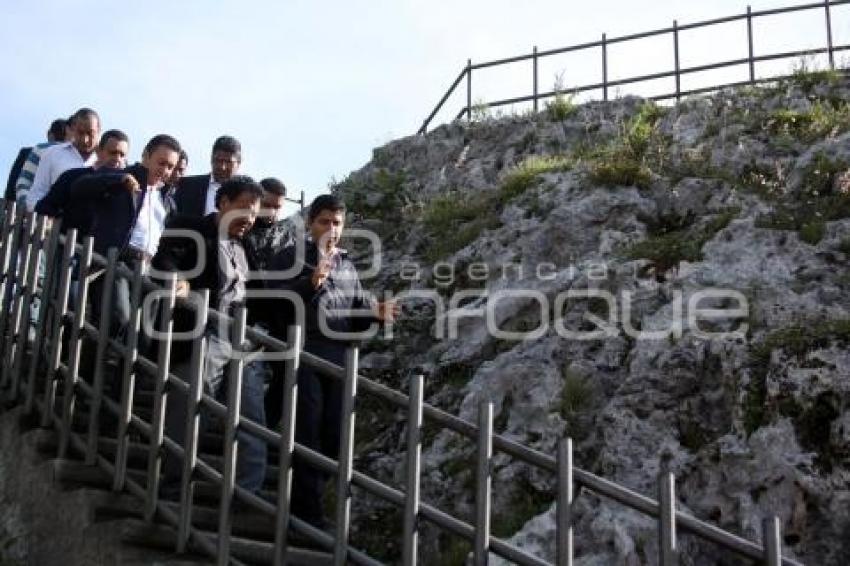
{"x": 299, "y": 200}
{"x": 676, "y": 73}
{"x": 54, "y": 368}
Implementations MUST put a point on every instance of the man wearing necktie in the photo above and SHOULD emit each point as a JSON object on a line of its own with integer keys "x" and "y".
{"x": 195, "y": 195}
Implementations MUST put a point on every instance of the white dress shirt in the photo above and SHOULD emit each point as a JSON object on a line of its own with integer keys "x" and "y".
{"x": 54, "y": 161}
{"x": 150, "y": 223}
{"x": 212, "y": 189}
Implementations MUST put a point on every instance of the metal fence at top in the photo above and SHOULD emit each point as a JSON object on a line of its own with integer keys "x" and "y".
{"x": 44, "y": 375}
{"x": 299, "y": 200}
{"x": 676, "y": 73}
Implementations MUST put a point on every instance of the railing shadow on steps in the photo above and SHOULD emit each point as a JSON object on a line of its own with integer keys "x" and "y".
{"x": 54, "y": 357}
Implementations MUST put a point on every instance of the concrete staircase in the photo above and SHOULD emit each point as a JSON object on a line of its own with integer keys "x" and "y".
{"x": 67, "y": 514}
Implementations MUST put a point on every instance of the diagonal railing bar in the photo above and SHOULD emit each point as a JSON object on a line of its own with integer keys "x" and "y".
{"x": 676, "y": 73}
{"x": 62, "y": 365}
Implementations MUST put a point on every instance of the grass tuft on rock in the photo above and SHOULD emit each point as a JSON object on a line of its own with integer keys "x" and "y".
{"x": 527, "y": 174}
{"x": 669, "y": 244}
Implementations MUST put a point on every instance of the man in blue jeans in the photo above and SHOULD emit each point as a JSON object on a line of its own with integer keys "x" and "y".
{"x": 335, "y": 307}
{"x": 225, "y": 266}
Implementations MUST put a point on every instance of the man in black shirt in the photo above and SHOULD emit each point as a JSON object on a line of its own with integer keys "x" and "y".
{"x": 328, "y": 285}
{"x": 270, "y": 233}
{"x": 226, "y": 265}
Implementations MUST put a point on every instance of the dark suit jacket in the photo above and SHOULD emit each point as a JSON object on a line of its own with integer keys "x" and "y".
{"x": 180, "y": 254}
{"x": 191, "y": 195}
{"x": 15, "y": 171}
{"x": 57, "y": 202}
{"x": 58, "y": 197}
{"x": 111, "y": 212}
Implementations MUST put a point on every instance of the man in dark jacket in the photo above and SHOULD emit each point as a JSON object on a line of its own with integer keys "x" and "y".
{"x": 195, "y": 195}
{"x": 328, "y": 285}
{"x": 17, "y": 166}
{"x": 127, "y": 210}
{"x": 111, "y": 152}
{"x": 225, "y": 267}
{"x": 271, "y": 232}
{"x": 55, "y": 134}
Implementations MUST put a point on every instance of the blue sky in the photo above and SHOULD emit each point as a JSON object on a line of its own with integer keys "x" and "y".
{"x": 311, "y": 87}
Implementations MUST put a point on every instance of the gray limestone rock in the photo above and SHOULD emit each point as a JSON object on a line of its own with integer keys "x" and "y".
{"x": 754, "y": 421}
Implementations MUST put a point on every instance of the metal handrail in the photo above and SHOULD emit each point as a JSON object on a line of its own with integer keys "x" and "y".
{"x": 57, "y": 316}
{"x": 677, "y": 73}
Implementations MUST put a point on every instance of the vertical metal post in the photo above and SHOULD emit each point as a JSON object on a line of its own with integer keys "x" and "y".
{"x": 160, "y": 398}
{"x": 565, "y": 503}
{"x": 667, "y": 519}
{"x": 61, "y": 311}
{"x": 751, "y": 57}
{"x": 73, "y": 374}
{"x": 829, "y": 35}
{"x": 604, "y": 68}
{"x": 8, "y": 256}
{"x": 34, "y": 246}
{"x": 20, "y": 278}
{"x": 9, "y": 225}
{"x": 346, "y": 459}
{"x": 414, "y": 470}
{"x": 469, "y": 89}
{"x": 287, "y": 445}
{"x": 102, "y": 343}
{"x": 236, "y": 367}
{"x": 193, "y": 417}
{"x": 42, "y": 324}
{"x": 15, "y": 274}
{"x": 481, "y": 550}
{"x": 772, "y": 540}
{"x": 676, "y": 58}
{"x": 534, "y": 71}
{"x": 130, "y": 353}
{"x": 302, "y": 201}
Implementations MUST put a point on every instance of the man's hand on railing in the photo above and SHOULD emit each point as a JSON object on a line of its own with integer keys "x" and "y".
{"x": 182, "y": 288}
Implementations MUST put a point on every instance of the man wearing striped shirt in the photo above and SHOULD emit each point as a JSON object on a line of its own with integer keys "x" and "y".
{"x": 23, "y": 171}
{"x": 85, "y": 127}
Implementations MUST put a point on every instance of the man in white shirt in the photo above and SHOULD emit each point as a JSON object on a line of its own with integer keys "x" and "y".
{"x": 196, "y": 194}
{"x": 80, "y": 152}
{"x": 128, "y": 211}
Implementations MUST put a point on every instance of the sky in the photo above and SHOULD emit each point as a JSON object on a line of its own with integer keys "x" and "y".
{"x": 310, "y": 88}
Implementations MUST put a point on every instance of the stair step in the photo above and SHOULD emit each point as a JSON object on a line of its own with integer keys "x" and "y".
{"x": 162, "y": 537}
{"x": 246, "y": 523}
{"x": 211, "y": 441}
{"x": 74, "y": 474}
{"x": 135, "y": 533}
{"x": 137, "y": 458}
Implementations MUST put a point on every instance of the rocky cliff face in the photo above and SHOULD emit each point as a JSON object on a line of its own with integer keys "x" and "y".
{"x": 622, "y": 218}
